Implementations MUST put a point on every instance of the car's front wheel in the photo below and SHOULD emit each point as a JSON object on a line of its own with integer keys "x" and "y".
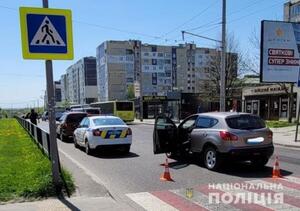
{"x": 211, "y": 158}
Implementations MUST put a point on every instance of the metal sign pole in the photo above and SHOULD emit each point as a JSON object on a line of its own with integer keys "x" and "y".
{"x": 52, "y": 120}
{"x": 297, "y": 126}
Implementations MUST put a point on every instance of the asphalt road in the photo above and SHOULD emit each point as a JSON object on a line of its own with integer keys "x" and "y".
{"x": 140, "y": 170}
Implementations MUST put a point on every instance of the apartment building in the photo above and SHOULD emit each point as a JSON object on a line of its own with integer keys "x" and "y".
{"x": 163, "y": 68}
{"x": 79, "y": 84}
{"x": 291, "y": 11}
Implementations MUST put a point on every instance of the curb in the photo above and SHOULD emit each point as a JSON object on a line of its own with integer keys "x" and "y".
{"x": 287, "y": 145}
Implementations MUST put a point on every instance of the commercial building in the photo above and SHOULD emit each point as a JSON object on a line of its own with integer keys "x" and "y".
{"x": 291, "y": 11}
{"x": 270, "y": 101}
{"x": 164, "y": 70}
{"x": 79, "y": 84}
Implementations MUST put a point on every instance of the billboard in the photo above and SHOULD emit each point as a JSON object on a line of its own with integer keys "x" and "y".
{"x": 280, "y": 45}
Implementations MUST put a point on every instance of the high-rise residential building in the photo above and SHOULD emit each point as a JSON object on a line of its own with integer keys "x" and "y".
{"x": 64, "y": 88}
{"x": 57, "y": 94}
{"x": 163, "y": 68}
{"x": 291, "y": 11}
{"x": 79, "y": 84}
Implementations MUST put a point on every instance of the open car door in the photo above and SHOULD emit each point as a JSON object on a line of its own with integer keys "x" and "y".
{"x": 164, "y": 135}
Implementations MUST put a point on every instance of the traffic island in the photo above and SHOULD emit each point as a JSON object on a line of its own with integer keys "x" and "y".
{"x": 25, "y": 172}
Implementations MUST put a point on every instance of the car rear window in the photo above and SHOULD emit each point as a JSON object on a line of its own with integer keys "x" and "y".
{"x": 245, "y": 122}
{"x": 108, "y": 121}
{"x": 75, "y": 118}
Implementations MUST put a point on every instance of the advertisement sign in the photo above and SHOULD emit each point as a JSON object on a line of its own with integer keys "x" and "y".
{"x": 280, "y": 44}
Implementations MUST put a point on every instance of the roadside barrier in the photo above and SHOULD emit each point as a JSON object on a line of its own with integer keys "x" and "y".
{"x": 40, "y": 136}
{"x": 42, "y": 140}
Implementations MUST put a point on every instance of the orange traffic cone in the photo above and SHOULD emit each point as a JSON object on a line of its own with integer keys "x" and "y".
{"x": 276, "y": 170}
{"x": 166, "y": 176}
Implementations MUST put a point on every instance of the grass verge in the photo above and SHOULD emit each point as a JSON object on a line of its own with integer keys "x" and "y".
{"x": 278, "y": 124}
{"x": 25, "y": 173}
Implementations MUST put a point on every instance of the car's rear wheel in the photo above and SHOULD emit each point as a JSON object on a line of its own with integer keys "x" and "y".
{"x": 211, "y": 158}
{"x": 259, "y": 162}
{"x": 88, "y": 150}
{"x": 62, "y": 137}
{"x": 126, "y": 149}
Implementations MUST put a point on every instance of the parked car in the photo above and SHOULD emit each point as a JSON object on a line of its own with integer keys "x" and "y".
{"x": 216, "y": 136}
{"x": 58, "y": 115}
{"x": 45, "y": 116}
{"x": 68, "y": 123}
{"x": 103, "y": 131}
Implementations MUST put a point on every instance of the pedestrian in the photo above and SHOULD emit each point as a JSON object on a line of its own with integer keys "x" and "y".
{"x": 33, "y": 117}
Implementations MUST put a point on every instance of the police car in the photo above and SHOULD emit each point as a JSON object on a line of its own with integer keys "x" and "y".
{"x": 103, "y": 132}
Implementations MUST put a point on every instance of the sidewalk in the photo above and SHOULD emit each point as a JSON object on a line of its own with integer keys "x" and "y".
{"x": 73, "y": 203}
{"x": 285, "y": 136}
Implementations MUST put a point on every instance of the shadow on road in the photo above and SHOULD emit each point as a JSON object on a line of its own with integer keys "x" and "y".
{"x": 112, "y": 154}
{"x": 239, "y": 169}
{"x": 68, "y": 204}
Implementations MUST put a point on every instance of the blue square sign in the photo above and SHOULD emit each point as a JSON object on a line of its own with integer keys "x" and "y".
{"x": 47, "y": 33}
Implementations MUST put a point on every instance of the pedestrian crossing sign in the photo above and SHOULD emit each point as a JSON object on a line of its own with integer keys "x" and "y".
{"x": 46, "y": 33}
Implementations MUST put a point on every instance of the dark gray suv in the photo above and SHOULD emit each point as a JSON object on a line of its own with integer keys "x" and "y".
{"x": 216, "y": 136}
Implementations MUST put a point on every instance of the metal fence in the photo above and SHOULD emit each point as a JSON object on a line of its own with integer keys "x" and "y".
{"x": 40, "y": 136}
{"x": 42, "y": 139}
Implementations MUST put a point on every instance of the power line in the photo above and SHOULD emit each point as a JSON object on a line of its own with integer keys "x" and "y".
{"x": 189, "y": 20}
{"x": 252, "y": 13}
{"x": 218, "y": 22}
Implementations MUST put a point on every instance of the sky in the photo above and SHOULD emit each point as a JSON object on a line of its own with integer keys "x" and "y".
{"x": 23, "y": 82}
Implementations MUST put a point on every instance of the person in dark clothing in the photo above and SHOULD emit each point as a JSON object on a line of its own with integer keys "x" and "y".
{"x": 33, "y": 117}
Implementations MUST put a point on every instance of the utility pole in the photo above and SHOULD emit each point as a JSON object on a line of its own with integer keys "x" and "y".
{"x": 52, "y": 121}
{"x": 223, "y": 60}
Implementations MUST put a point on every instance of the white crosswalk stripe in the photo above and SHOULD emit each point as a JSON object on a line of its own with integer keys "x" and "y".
{"x": 150, "y": 202}
{"x": 292, "y": 179}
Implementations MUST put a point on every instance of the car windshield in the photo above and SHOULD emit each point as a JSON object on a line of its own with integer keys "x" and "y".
{"x": 108, "y": 121}
{"x": 245, "y": 122}
{"x": 75, "y": 118}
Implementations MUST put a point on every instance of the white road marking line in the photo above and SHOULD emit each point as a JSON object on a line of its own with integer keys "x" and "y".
{"x": 88, "y": 172}
{"x": 150, "y": 202}
{"x": 292, "y": 179}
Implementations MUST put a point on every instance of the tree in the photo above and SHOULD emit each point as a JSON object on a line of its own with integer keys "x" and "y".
{"x": 130, "y": 92}
{"x": 235, "y": 68}
{"x": 66, "y": 104}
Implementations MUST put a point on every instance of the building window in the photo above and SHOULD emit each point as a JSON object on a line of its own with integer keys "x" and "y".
{"x": 154, "y": 61}
{"x": 160, "y": 55}
{"x": 146, "y": 54}
{"x": 129, "y": 51}
{"x": 154, "y": 49}
{"x": 167, "y": 61}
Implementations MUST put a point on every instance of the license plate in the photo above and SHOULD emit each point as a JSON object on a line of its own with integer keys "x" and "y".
{"x": 114, "y": 134}
{"x": 255, "y": 140}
